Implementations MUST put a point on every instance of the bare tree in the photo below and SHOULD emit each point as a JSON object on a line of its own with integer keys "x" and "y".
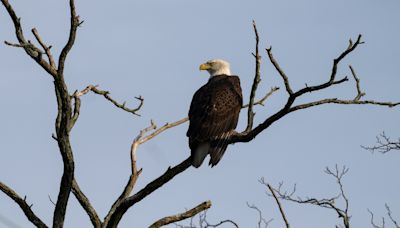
{"x": 68, "y": 106}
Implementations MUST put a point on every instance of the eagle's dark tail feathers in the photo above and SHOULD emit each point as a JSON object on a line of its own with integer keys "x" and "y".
{"x": 216, "y": 152}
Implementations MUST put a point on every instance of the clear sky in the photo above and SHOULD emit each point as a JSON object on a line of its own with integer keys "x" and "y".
{"x": 153, "y": 48}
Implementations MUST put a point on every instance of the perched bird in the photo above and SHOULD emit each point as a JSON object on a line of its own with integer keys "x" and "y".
{"x": 214, "y": 113}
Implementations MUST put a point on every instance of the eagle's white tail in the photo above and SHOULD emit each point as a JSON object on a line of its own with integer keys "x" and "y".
{"x": 200, "y": 154}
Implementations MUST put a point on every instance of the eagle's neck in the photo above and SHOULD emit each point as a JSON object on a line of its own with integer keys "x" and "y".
{"x": 224, "y": 70}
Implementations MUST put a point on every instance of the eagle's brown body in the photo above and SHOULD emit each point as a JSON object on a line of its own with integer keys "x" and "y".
{"x": 213, "y": 115}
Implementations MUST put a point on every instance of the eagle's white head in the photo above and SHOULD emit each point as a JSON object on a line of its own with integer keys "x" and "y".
{"x": 216, "y": 67}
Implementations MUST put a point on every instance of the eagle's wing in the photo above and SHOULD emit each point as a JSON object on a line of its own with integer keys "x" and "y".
{"x": 213, "y": 114}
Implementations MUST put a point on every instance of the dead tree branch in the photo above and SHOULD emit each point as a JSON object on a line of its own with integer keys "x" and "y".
{"x": 279, "y": 206}
{"x": 27, "y": 209}
{"x": 45, "y": 48}
{"x": 34, "y": 52}
{"x": 64, "y": 124}
{"x": 204, "y": 223}
{"x": 262, "y": 100}
{"x": 106, "y": 95}
{"x": 122, "y": 204}
{"x": 256, "y": 81}
{"x": 179, "y": 217}
{"x": 280, "y": 71}
{"x": 248, "y": 135}
{"x": 64, "y": 120}
{"x": 329, "y": 203}
{"x": 86, "y": 205}
{"x": 373, "y": 221}
{"x": 148, "y": 189}
{"x": 389, "y": 214}
{"x": 261, "y": 219}
{"x": 383, "y": 144}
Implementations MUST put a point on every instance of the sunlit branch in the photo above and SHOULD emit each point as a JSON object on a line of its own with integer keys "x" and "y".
{"x": 179, "y": 217}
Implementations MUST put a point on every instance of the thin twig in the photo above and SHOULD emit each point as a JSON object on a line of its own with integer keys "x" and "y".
{"x": 203, "y": 223}
{"x": 261, "y": 219}
{"x": 262, "y": 100}
{"x": 121, "y": 106}
{"x": 373, "y": 222}
{"x": 45, "y": 48}
{"x": 359, "y": 92}
{"x": 280, "y": 71}
{"x": 389, "y": 213}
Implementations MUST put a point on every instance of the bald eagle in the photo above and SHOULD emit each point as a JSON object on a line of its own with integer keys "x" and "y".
{"x": 214, "y": 113}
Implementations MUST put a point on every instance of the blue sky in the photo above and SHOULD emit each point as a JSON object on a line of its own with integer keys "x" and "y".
{"x": 153, "y": 48}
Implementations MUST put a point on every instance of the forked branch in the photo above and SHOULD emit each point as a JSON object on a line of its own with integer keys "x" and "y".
{"x": 34, "y": 52}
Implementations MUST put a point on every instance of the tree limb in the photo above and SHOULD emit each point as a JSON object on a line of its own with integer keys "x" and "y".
{"x": 23, "y": 205}
{"x": 64, "y": 124}
{"x": 45, "y": 48}
{"x": 105, "y": 94}
{"x": 71, "y": 38}
{"x": 182, "y": 216}
{"x": 86, "y": 205}
{"x": 280, "y": 71}
{"x": 256, "y": 81}
{"x": 64, "y": 120}
{"x": 247, "y": 136}
{"x": 148, "y": 189}
{"x": 279, "y": 206}
{"x": 29, "y": 48}
{"x": 121, "y": 205}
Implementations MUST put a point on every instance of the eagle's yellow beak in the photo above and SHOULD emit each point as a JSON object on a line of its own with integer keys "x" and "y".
{"x": 204, "y": 66}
